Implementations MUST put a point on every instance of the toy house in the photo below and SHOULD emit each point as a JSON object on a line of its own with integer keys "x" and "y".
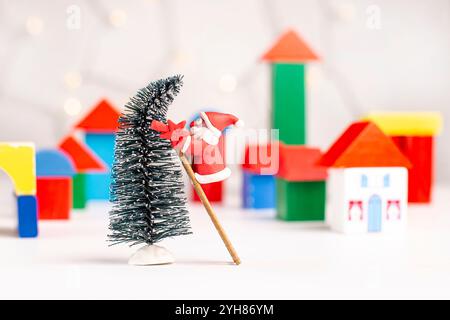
{"x": 413, "y": 133}
{"x": 258, "y": 169}
{"x": 85, "y": 162}
{"x": 18, "y": 161}
{"x": 301, "y": 184}
{"x": 100, "y": 127}
{"x": 54, "y": 171}
{"x": 368, "y": 181}
{"x": 288, "y": 57}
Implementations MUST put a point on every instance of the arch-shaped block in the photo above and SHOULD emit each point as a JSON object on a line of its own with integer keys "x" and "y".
{"x": 53, "y": 163}
{"x": 18, "y": 161}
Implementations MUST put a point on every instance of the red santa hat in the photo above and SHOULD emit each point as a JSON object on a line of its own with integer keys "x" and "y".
{"x": 217, "y": 121}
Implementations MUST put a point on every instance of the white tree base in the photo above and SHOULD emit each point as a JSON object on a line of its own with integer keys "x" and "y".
{"x": 151, "y": 255}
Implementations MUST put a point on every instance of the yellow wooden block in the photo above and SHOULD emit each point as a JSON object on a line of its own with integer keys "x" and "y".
{"x": 18, "y": 160}
{"x": 407, "y": 123}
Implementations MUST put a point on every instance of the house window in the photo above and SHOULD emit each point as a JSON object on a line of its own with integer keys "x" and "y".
{"x": 364, "y": 181}
{"x": 387, "y": 181}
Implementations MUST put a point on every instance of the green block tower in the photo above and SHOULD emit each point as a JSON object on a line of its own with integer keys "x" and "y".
{"x": 288, "y": 57}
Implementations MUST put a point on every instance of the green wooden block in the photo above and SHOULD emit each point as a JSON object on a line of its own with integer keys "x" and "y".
{"x": 79, "y": 191}
{"x": 301, "y": 201}
{"x": 288, "y": 102}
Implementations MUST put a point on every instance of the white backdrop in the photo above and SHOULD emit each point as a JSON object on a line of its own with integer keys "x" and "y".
{"x": 380, "y": 54}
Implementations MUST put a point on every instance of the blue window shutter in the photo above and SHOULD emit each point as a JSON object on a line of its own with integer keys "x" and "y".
{"x": 387, "y": 181}
{"x": 364, "y": 181}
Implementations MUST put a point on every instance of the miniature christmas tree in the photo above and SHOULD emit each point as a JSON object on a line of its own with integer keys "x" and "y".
{"x": 147, "y": 191}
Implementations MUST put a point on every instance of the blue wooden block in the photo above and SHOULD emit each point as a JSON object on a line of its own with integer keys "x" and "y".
{"x": 259, "y": 191}
{"x": 103, "y": 145}
{"x": 53, "y": 163}
{"x": 28, "y": 217}
{"x": 98, "y": 184}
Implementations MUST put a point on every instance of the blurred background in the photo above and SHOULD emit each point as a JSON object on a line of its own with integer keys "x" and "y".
{"x": 59, "y": 58}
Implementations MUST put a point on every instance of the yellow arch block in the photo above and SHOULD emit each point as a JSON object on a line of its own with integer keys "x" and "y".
{"x": 408, "y": 123}
{"x": 18, "y": 160}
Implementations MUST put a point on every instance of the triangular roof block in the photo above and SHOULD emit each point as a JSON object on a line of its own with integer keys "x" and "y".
{"x": 103, "y": 118}
{"x": 83, "y": 158}
{"x": 299, "y": 163}
{"x": 363, "y": 144}
{"x": 259, "y": 159}
{"x": 290, "y": 47}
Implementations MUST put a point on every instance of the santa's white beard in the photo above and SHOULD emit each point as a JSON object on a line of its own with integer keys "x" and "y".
{"x": 203, "y": 133}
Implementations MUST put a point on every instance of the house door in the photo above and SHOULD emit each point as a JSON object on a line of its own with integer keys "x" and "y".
{"x": 374, "y": 218}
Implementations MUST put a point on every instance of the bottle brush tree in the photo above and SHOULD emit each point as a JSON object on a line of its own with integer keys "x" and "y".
{"x": 147, "y": 190}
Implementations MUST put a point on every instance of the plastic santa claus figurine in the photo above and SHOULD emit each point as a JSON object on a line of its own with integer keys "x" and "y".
{"x": 201, "y": 143}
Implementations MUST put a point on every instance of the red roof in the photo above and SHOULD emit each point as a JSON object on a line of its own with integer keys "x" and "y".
{"x": 83, "y": 158}
{"x": 258, "y": 159}
{"x": 299, "y": 163}
{"x": 103, "y": 118}
{"x": 290, "y": 48}
{"x": 363, "y": 144}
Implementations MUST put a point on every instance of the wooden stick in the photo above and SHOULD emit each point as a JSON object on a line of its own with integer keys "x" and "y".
{"x": 198, "y": 188}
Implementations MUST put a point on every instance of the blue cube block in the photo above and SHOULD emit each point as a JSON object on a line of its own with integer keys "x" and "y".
{"x": 259, "y": 191}
{"x": 97, "y": 185}
{"x": 28, "y": 217}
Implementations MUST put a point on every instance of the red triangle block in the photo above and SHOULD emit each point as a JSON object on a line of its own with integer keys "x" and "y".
{"x": 103, "y": 118}
{"x": 290, "y": 48}
{"x": 82, "y": 157}
{"x": 363, "y": 144}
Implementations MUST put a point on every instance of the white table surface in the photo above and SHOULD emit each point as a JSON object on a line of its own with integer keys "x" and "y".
{"x": 71, "y": 259}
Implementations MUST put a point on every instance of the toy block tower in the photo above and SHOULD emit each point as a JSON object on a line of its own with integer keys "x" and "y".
{"x": 100, "y": 127}
{"x": 85, "y": 162}
{"x": 288, "y": 57}
{"x": 301, "y": 186}
{"x": 413, "y": 133}
{"x": 259, "y": 170}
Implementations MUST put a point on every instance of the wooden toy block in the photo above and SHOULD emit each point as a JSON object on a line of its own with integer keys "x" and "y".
{"x": 417, "y": 124}
{"x": 420, "y": 152}
{"x": 290, "y": 47}
{"x": 414, "y": 133}
{"x": 289, "y": 102}
{"x": 85, "y": 162}
{"x": 261, "y": 159}
{"x": 18, "y": 161}
{"x": 299, "y": 163}
{"x": 300, "y": 201}
{"x": 79, "y": 191}
{"x": 214, "y": 192}
{"x": 54, "y": 196}
{"x": 27, "y": 212}
{"x": 103, "y": 118}
{"x": 367, "y": 181}
{"x": 98, "y": 183}
{"x": 258, "y": 191}
{"x": 53, "y": 163}
{"x": 82, "y": 156}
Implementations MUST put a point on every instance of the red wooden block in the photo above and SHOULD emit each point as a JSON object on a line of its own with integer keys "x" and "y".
{"x": 290, "y": 47}
{"x": 214, "y": 192}
{"x": 419, "y": 151}
{"x": 258, "y": 159}
{"x": 83, "y": 158}
{"x": 103, "y": 118}
{"x": 54, "y": 196}
{"x": 299, "y": 163}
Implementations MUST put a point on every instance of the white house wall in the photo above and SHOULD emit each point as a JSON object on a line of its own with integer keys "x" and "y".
{"x": 344, "y": 185}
